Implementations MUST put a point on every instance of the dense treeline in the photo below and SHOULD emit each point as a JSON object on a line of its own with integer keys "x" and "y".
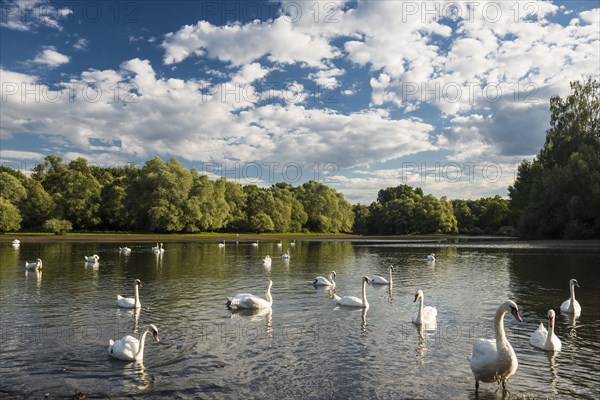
{"x": 556, "y": 195}
{"x": 161, "y": 197}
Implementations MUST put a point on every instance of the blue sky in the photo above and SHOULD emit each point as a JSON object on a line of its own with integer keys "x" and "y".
{"x": 448, "y": 96}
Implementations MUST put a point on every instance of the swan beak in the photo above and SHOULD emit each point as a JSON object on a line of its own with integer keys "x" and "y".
{"x": 416, "y": 297}
{"x": 155, "y": 334}
{"x": 515, "y": 313}
{"x": 577, "y": 284}
{"x": 551, "y": 322}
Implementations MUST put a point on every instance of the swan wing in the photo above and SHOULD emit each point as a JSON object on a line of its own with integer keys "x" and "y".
{"x": 125, "y": 348}
{"x": 247, "y": 300}
{"x": 569, "y": 308}
{"x": 349, "y": 301}
{"x": 429, "y": 315}
{"x": 321, "y": 281}
{"x": 483, "y": 359}
{"x": 379, "y": 280}
{"x": 126, "y": 302}
{"x": 538, "y": 338}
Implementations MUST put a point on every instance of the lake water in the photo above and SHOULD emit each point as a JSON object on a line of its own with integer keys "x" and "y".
{"x": 55, "y": 326}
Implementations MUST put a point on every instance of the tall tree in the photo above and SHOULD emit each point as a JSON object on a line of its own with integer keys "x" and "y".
{"x": 558, "y": 194}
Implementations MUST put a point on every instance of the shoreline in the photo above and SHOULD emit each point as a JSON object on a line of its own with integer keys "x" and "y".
{"x": 435, "y": 240}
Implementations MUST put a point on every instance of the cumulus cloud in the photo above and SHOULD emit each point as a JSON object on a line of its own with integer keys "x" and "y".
{"x": 171, "y": 116}
{"x": 28, "y": 15}
{"x": 51, "y": 58}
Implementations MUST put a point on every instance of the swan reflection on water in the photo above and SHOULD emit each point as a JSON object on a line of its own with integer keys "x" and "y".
{"x": 553, "y": 371}
{"x": 134, "y": 373}
{"x": 256, "y": 315}
{"x": 133, "y": 313}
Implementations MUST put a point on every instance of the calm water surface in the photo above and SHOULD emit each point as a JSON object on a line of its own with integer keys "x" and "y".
{"x": 55, "y": 326}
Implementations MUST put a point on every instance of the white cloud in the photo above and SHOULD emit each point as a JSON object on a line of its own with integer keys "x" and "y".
{"x": 51, "y": 57}
{"x": 238, "y": 44}
{"x": 82, "y": 44}
{"x": 171, "y": 116}
{"x": 28, "y": 15}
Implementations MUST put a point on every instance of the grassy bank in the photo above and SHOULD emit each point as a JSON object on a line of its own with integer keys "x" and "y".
{"x": 118, "y": 237}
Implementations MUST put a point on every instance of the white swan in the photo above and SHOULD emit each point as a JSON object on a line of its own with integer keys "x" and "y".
{"x": 158, "y": 249}
{"x": 222, "y": 244}
{"x": 293, "y": 243}
{"x": 423, "y": 315}
{"x": 431, "y": 257}
{"x": 37, "y": 265}
{"x": 380, "y": 280}
{"x": 131, "y": 302}
{"x": 546, "y": 340}
{"x": 322, "y": 281}
{"x": 92, "y": 259}
{"x": 267, "y": 261}
{"x": 493, "y": 360}
{"x": 279, "y": 244}
{"x": 129, "y": 348}
{"x": 255, "y": 244}
{"x": 286, "y": 255}
{"x": 351, "y": 301}
{"x": 125, "y": 250}
{"x": 250, "y": 301}
{"x": 571, "y": 306}
{"x": 16, "y": 242}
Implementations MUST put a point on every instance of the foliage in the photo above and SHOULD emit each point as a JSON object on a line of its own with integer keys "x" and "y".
{"x": 11, "y": 188}
{"x": 485, "y": 215}
{"x": 405, "y": 210}
{"x": 10, "y": 217}
{"x": 58, "y": 226}
{"x": 558, "y": 194}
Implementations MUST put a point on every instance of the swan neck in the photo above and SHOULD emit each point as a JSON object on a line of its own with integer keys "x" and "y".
{"x": 364, "y": 294}
{"x": 419, "y": 316}
{"x": 142, "y": 342}
{"x": 331, "y": 278}
{"x": 268, "y": 295}
{"x": 137, "y": 296}
{"x": 499, "y": 325}
{"x": 550, "y": 334}
{"x": 572, "y": 293}
{"x": 390, "y": 271}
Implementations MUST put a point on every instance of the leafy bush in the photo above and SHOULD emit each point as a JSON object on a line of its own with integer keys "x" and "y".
{"x": 58, "y": 226}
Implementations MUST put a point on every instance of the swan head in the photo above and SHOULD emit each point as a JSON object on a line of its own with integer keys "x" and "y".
{"x": 367, "y": 279}
{"x": 333, "y": 274}
{"x": 154, "y": 330}
{"x": 391, "y": 267}
{"x": 418, "y": 295}
{"x": 573, "y": 282}
{"x": 551, "y": 316}
{"x": 512, "y": 308}
{"x": 138, "y": 283}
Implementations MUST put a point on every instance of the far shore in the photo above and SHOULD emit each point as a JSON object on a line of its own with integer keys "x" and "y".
{"x": 434, "y": 239}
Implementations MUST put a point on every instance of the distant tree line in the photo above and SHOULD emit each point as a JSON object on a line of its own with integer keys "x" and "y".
{"x": 161, "y": 197}
{"x": 557, "y": 195}
{"x": 166, "y": 197}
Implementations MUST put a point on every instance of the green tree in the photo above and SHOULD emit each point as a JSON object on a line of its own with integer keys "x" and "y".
{"x": 326, "y": 209}
{"x": 556, "y": 195}
{"x": 10, "y": 217}
{"x": 157, "y": 196}
{"x": 38, "y": 206}
{"x": 11, "y": 188}
{"x": 58, "y": 226}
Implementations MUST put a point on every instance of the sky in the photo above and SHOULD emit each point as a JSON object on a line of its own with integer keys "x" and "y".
{"x": 448, "y": 96}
